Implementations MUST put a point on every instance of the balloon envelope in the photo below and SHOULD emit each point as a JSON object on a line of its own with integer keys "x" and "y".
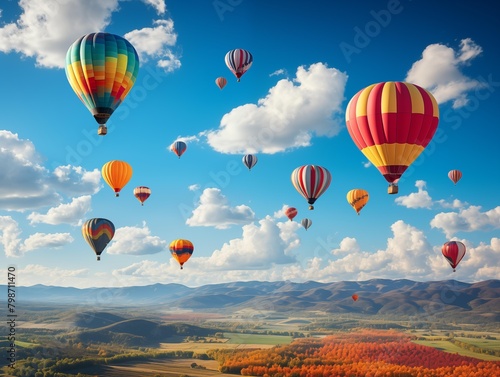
{"x": 391, "y": 123}
{"x": 98, "y": 232}
{"x": 181, "y": 250}
{"x": 101, "y": 69}
{"x": 311, "y": 181}
{"x": 221, "y": 82}
{"x": 116, "y": 174}
{"x": 357, "y": 198}
{"x": 291, "y": 212}
{"x": 306, "y": 223}
{"x": 455, "y": 175}
{"x": 249, "y": 160}
{"x": 178, "y": 147}
{"x": 453, "y": 251}
{"x": 142, "y": 193}
{"x": 239, "y": 61}
{"x": 355, "y": 297}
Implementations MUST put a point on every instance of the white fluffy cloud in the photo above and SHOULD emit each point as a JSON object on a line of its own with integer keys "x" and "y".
{"x": 214, "y": 210}
{"x": 46, "y": 28}
{"x": 49, "y": 275}
{"x": 136, "y": 241}
{"x": 14, "y": 247}
{"x": 156, "y": 43}
{"x": 420, "y": 199}
{"x": 71, "y": 213}
{"x": 26, "y": 184}
{"x": 288, "y": 117}
{"x": 439, "y": 71}
{"x": 467, "y": 220}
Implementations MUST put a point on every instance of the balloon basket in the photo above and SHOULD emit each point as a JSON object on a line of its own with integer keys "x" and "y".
{"x": 392, "y": 189}
{"x": 102, "y": 130}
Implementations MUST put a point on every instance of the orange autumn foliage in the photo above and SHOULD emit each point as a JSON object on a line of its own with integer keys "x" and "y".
{"x": 369, "y": 353}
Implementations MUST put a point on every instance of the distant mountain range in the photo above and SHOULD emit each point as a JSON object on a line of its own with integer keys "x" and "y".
{"x": 390, "y": 298}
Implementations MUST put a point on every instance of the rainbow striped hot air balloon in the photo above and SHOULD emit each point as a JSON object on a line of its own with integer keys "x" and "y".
{"x": 392, "y": 123}
{"x": 101, "y": 68}
{"x": 181, "y": 250}
{"x": 98, "y": 233}
{"x": 311, "y": 181}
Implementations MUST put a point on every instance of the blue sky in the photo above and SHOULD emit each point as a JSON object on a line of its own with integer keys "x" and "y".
{"x": 310, "y": 58}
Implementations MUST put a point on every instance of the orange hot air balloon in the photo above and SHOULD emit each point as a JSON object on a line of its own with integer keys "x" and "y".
{"x": 181, "y": 250}
{"x": 357, "y": 198}
{"x": 142, "y": 193}
{"x": 453, "y": 251}
{"x": 116, "y": 174}
{"x": 221, "y": 82}
{"x": 455, "y": 175}
{"x": 291, "y": 212}
{"x": 392, "y": 123}
{"x": 355, "y": 297}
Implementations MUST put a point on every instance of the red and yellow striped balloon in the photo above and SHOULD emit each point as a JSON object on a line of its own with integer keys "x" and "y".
{"x": 392, "y": 123}
{"x": 181, "y": 250}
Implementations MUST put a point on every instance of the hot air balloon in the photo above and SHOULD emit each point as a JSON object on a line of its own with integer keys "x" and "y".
{"x": 355, "y": 297}
{"x": 455, "y": 175}
{"x": 221, "y": 82}
{"x": 101, "y": 69}
{"x": 357, "y": 198}
{"x": 98, "y": 233}
{"x": 249, "y": 160}
{"x": 453, "y": 251}
{"x": 239, "y": 61}
{"x": 306, "y": 223}
{"x": 116, "y": 173}
{"x": 311, "y": 181}
{"x": 392, "y": 123}
{"x": 178, "y": 147}
{"x": 181, "y": 250}
{"x": 291, "y": 212}
{"x": 142, "y": 193}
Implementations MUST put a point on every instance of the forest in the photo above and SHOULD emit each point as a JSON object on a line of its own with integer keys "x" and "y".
{"x": 368, "y": 353}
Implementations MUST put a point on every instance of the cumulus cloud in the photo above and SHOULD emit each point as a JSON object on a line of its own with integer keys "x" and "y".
{"x": 136, "y": 241}
{"x": 26, "y": 184}
{"x": 439, "y": 71}
{"x": 71, "y": 213}
{"x": 14, "y": 247}
{"x": 279, "y": 72}
{"x": 288, "y": 117}
{"x": 49, "y": 275}
{"x": 467, "y": 220}
{"x": 46, "y": 28}
{"x": 347, "y": 245}
{"x": 156, "y": 42}
{"x": 214, "y": 210}
{"x": 260, "y": 246}
{"x": 420, "y": 199}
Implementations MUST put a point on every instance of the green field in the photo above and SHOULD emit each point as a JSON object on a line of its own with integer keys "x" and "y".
{"x": 489, "y": 344}
{"x": 447, "y": 346}
{"x": 237, "y": 338}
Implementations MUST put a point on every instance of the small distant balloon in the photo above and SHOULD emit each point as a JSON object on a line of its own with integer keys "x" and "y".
{"x": 291, "y": 212}
{"x": 239, "y": 61}
{"x": 221, "y": 82}
{"x": 249, "y": 160}
{"x": 306, "y": 223}
{"x": 455, "y": 175}
{"x": 178, "y": 147}
{"x": 142, "y": 193}
{"x": 355, "y": 297}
